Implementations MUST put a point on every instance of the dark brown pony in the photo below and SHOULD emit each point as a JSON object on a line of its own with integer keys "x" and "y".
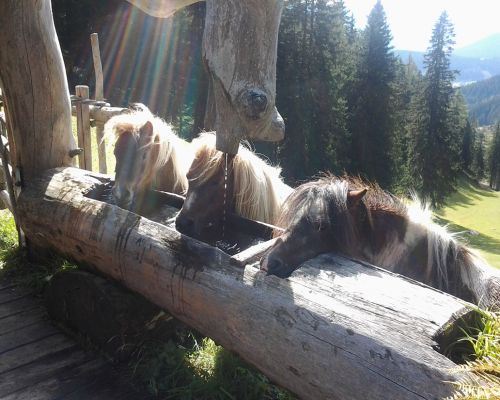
{"x": 360, "y": 220}
{"x": 254, "y": 189}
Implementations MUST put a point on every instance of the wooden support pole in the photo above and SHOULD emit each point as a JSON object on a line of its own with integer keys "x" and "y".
{"x": 9, "y": 197}
{"x": 35, "y": 87}
{"x": 83, "y": 127}
{"x": 96, "y": 56}
{"x": 336, "y": 329}
{"x": 5, "y": 201}
{"x": 99, "y": 95}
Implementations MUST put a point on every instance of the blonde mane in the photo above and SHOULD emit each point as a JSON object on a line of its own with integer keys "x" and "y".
{"x": 449, "y": 257}
{"x": 170, "y": 157}
{"x": 258, "y": 188}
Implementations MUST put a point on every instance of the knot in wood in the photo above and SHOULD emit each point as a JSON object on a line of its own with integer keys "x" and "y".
{"x": 254, "y": 102}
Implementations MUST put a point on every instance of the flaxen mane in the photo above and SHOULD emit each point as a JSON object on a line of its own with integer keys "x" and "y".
{"x": 258, "y": 188}
{"x": 170, "y": 156}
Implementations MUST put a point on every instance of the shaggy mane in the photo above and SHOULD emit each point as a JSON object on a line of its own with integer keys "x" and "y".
{"x": 168, "y": 148}
{"x": 258, "y": 188}
{"x": 450, "y": 265}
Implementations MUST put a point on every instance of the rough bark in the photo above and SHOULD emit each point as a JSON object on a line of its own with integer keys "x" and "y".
{"x": 240, "y": 47}
{"x": 345, "y": 331}
{"x": 35, "y": 87}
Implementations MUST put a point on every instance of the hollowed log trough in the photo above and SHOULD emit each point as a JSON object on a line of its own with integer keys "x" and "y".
{"x": 337, "y": 329}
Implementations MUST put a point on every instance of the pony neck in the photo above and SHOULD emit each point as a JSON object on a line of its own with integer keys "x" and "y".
{"x": 384, "y": 233}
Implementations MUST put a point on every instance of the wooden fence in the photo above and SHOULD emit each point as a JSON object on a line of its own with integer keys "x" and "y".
{"x": 92, "y": 113}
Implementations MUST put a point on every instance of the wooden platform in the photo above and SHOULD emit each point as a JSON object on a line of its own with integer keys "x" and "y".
{"x": 38, "y": 361}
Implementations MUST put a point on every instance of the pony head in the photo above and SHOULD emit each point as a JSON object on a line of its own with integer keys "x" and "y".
{"x": 253, "y": 189}
{"x": 144, "y": 144}
{"x": 318, "y": 216}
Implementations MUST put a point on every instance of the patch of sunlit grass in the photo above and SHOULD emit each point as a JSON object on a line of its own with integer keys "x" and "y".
{"x": 202, "y": 370}
{"x": 474, "y": 211}
{"x": 482, "y": 380}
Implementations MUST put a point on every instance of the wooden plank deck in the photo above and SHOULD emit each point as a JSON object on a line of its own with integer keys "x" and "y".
{"x": 39, "y": 362}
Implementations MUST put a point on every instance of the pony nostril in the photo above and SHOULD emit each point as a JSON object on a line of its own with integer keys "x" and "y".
{"x": 184, "y": 225}
{"x": 123, "y": 197}
{"x": 274, "y": 266}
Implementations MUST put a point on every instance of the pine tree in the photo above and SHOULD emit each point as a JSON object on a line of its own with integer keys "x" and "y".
{"x": 468, "y": 140}
{"x": 407, "y": 83}
{"x": 372, "y": 123}
{"x": 494, "y": 160}
{"x": 313, "y": 69}
{"x": 479, "y": 164}
{"x": 435, "y": 142}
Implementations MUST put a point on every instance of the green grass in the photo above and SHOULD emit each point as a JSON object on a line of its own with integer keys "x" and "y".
{"x": 482, "y": 338}
{"x": 201, "y": 370}
{"x": 475, "y": 212}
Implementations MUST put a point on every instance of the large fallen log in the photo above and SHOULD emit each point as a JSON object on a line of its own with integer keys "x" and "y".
{"x": 345, "y": 331}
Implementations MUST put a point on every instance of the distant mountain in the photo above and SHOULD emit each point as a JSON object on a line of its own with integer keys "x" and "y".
{"x": 486, "y": 48}
{"x": 483, "y": 99}
{"x": 476, "y": 62}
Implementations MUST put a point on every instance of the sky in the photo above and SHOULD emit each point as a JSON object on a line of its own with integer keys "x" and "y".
{"x": 411, "y": 21}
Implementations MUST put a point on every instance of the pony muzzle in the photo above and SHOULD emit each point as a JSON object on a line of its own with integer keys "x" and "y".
{"x": 123, "y": 196}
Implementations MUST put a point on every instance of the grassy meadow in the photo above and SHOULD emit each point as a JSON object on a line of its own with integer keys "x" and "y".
{"x": 474, "y": 212}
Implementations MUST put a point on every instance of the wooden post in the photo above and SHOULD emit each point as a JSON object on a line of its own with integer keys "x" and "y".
{"x": 83, "y": 127}
{"x": 336, "y": 329}
{"x": 34, "y": 87}
{"x": 4, "y": 196}
{"x": 8, "y": 196}
{"x": 99, "y": 95}
{"x": 240, "y": 48}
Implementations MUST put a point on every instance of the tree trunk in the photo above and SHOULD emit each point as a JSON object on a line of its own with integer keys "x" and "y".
{"x": 35, "y": 87}
{"x": 240, "y": 46}
{"x": 345, "y": 331}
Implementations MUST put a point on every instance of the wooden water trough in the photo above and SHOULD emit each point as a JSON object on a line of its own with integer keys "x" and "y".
{"x": 337, "y": 329}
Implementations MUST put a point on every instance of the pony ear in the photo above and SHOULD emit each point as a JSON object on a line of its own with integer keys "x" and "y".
{"x": 146, "y": 133}
{"x": 354, "y": 197}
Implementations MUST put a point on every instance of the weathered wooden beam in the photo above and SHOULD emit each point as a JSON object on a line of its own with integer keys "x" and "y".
{"x": 336, "y": 329}
{"x": 99, "y": 95}
{"x": 240, "y": 43}
{"x": 240, "y": 50}
{"x": 35, "y": 86}
{"x": 101, "y": 115}
{"x": 83, "y": 127}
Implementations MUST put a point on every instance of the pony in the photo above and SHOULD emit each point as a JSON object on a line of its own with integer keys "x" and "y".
{"x": 148, "y": 154}
{"x": 360, "y": 220}
{"x": 251, "y": 188}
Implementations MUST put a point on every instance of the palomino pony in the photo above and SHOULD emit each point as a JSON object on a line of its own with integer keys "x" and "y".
{"x": 251, "y": 188}
{"x": 362, "y": 221}
{"x": 148, "y": 154}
